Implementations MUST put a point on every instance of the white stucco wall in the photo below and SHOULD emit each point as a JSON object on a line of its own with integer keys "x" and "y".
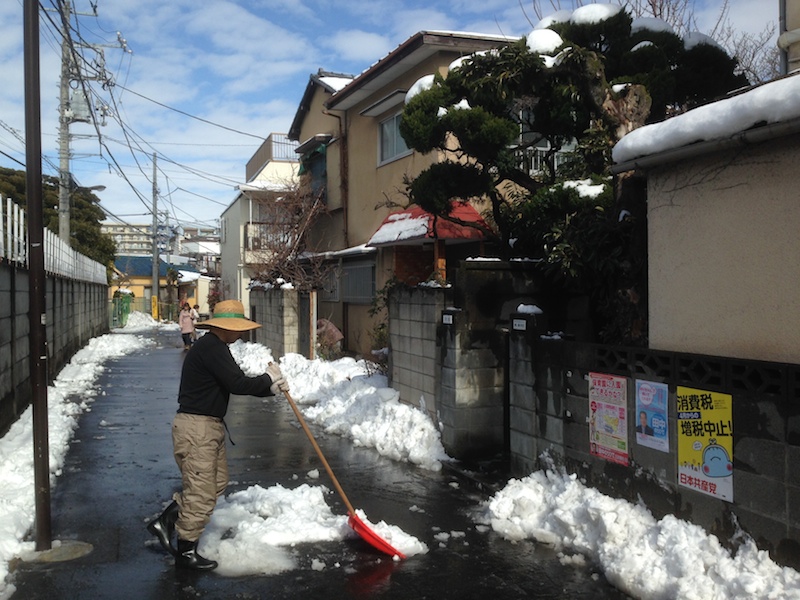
{"x": 724, "y": 254}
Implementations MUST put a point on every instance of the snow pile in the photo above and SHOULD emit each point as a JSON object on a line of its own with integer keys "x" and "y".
{"x": 585, "y": 187}
{"x": 141, "y": 322}
{"x": 543, "y": 41}
{"x": 350, "y": 401}
{"x": 423, "y": 83}
{"x": 646, "y": 558}
{"x": 68, "y": 397}
{"x": 591, "y": 14}
{"x": 254, "y": 531}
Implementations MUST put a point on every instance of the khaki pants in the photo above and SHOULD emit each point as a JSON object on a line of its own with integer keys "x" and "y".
{"x": 199, "y": 447}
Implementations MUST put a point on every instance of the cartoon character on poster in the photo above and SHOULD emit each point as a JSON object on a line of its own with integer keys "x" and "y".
{"x": 705, "y": 442}
{"x": 651, "y": 415}
{"x": 608, "y": 418}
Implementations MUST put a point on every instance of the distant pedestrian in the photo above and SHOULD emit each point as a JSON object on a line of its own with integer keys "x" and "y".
{"x": 195, "y": 319}
{"x": 209, "y": 376}
{"x": 187, "y": 325}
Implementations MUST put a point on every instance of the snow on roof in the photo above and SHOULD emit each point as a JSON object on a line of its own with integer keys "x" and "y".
{"x": 186, "y": 276}
{"x": 415, "y": 225}
{"x": 350, "y": 252}
{"x": 772, "y": 102}
{"x": 335, "y": 83}
{"x": 400, "y": 226}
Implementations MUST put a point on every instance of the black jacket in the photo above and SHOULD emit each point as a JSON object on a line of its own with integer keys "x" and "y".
{"x": 210, "y": 375}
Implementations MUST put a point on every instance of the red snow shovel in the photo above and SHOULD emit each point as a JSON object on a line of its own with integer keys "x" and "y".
{"x": 356, "y": 524}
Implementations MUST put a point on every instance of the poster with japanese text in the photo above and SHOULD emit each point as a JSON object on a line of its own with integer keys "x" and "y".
{"x": 608, "y": 417}
{"x": 705, "y": 442}
{"x": 651, "y": 415}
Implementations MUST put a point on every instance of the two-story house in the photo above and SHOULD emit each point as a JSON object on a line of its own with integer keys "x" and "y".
{"x": 350, "y": 143}
{"x": 269, "y": 172}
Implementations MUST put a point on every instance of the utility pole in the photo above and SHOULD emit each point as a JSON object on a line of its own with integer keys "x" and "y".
{"x": 154, "y": 297}
{"x": 71, "y": 110}
{"x": 64, "y": 177}
{"x": 37, "y": 304}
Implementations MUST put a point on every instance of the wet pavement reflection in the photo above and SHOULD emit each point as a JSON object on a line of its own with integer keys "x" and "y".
{"x": 120, "y": 468}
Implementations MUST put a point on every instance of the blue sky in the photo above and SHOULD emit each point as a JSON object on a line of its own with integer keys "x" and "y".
{"x": 240, "y": 64}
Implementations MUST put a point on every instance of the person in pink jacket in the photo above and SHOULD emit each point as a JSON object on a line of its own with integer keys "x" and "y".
{"x": 186, "y": 321}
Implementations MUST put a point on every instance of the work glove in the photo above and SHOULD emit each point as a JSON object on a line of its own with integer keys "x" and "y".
{"x": 279, "y": 383}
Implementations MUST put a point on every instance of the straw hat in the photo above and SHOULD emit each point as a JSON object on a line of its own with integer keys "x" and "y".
{"x": 229, "y": 314}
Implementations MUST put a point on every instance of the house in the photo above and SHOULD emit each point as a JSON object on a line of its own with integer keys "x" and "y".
{"x": 270, "y": 171}
{"x": 133, "y": 276}
{"x": 350, "y": 144}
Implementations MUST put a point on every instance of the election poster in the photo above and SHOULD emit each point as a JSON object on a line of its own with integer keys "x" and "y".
{"x": 608, "y": 418}
{"x": 651, "y": 415}
{"x": 705, "y": 442}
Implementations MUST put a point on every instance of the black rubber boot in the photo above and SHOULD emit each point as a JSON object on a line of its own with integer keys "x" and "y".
{"x": 164, "y": 527}
{"x": 188, "y": 558}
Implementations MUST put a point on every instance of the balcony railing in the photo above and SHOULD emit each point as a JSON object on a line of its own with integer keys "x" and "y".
{"x": 534, "y": 160}
{"x": 263, "y": 239}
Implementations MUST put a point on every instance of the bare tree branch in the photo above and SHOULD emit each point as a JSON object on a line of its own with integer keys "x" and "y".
{"x": 278, "y": 243}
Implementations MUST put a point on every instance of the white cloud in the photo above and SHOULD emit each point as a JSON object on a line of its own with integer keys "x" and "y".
{"x": 355, "y": 45}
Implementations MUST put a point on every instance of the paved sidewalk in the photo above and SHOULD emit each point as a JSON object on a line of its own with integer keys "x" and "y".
{"x": 120, "y": 468}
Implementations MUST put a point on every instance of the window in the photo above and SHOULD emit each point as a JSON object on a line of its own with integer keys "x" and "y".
{"x": 358, "y": 282}
{"x": 392, "y": 144}
{"x": 330, "y": 286}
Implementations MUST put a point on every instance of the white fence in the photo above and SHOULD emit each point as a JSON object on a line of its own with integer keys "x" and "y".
{"x": 59, "y": 258}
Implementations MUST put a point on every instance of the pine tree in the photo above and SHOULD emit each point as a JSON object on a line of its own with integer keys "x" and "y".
{"x": 565, "y": 99}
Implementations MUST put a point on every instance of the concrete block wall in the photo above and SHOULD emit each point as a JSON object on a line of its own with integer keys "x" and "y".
{"x": 277, "y": 310}
{"x": 548, "y": 387}
{"x": 76, "y": 311}
{"x": 414, "y": 314}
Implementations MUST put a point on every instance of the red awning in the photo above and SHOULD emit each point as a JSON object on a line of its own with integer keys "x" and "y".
{"x": 414, "y": 225}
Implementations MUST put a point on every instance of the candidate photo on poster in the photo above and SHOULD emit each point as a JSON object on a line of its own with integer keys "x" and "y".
{"x": 651, "y": 415}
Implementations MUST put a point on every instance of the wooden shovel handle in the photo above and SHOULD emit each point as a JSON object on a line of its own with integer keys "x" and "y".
{"x": 313, "y": 441}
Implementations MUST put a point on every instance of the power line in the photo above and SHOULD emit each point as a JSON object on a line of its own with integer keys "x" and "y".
{"x": 191, "y": 116}
{"x": 12, "y": 158}
{"x": 133, "y": 142}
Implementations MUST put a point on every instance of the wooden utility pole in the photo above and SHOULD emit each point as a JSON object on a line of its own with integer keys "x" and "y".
{"x": 37, "y": 313}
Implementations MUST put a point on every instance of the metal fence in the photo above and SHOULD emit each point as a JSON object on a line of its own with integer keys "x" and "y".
{"x": 59, "y": 258}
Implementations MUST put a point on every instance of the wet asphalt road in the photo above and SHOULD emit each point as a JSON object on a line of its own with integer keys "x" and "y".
{"x": 120, "y": 469}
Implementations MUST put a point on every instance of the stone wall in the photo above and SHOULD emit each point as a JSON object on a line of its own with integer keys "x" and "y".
{"x": 76, "y": 311}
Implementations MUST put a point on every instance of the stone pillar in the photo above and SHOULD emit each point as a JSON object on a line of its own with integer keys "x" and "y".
{"x": 472, "y": 405}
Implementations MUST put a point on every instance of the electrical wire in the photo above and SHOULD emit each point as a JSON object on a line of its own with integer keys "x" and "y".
{"x": 191, "y": 116}
{"x": 85, "y": 71}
